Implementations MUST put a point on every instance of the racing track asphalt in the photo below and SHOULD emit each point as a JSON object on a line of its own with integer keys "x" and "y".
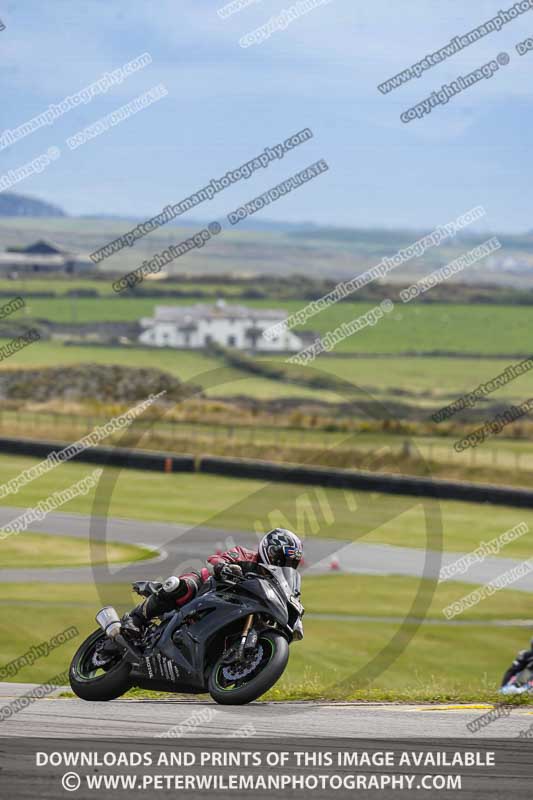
{"x": 181, "y": 545}
{"x": 69, "y": 718}
{"x": 55, "y": 717}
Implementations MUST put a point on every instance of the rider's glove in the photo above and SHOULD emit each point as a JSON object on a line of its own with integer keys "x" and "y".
{"x": 146, "y": 588}
{"x": 229, "y": 571}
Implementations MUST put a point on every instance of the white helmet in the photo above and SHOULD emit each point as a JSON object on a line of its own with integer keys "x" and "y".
{"x": 280, "y": 548}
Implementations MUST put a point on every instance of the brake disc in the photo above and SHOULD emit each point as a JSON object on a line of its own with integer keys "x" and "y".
{"x": 242, "y": 669}
{"x": 100, "y": 658}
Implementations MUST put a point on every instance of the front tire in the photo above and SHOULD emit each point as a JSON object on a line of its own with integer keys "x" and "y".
{"x": 91, "y": 683}
{"x": 273, "y": 654}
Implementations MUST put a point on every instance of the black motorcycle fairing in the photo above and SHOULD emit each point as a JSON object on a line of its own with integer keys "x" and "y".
{"x": 288, "y": 583}
{"x": 185, "y": 643}
{"x": 237, "y": 631}
{"x": 207, "y": 586}
{"x": 187, "y": 636}
{"x": 269, "y": 595}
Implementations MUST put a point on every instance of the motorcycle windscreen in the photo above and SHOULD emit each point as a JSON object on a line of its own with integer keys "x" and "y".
{"x": 288, "y": 578}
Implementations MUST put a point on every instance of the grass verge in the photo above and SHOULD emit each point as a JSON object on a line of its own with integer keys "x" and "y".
{"x": 44, "y": 550}
{"x": 250, "y": 505}
{"x": 440, "y": 663}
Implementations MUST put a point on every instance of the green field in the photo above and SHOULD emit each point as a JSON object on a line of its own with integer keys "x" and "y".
{"x": 41, "y": 550}
{"x": 427, "y": 379}
{"x": 205, "y": 371}
{"x": 393, "y": 596}
{"x": 442, "y": 327}
{"x": 248, "y": 505}
{"x": 438, "y": 663}
{"x": 486, "y": 329}
{"x": 428, "y": 382}
{"x": 84, "y": 309}
{"x": 184, "y": 365}
{"x": 425, "y": 382}
{"x": 462, "y": 329}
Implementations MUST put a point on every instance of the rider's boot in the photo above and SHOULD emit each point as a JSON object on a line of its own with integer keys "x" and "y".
{"x": 162, "y": 599}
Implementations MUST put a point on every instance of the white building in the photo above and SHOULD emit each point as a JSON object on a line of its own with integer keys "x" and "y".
{"x": 197, "y": 326}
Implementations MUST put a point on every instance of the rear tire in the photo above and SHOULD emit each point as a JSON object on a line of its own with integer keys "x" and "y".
{"x": 276, "y": 650}
{"x": 90, "y": 686}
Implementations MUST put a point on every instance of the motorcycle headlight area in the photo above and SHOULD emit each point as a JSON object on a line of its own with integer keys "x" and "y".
{"x": 295, "y": 603}
{"x": 298, "y": 631}
{"x": 271, "y": 593}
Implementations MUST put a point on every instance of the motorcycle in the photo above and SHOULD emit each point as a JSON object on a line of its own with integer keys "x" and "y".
{"x": 232, "y": 641}
{"x": 519, "y": 677}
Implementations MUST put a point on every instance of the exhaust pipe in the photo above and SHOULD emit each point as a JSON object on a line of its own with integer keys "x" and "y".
{"x": 109, "y": 621}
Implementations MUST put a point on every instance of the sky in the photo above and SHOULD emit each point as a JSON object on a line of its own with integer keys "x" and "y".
{"x": 227, "y": 103}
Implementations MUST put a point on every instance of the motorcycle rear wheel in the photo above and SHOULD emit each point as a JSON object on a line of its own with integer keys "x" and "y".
{"x": 273, "y": 653}
{"x": 97, "y": 684}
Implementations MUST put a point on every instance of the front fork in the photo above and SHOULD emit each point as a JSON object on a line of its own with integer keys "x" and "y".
{"x": 246, "y": 643}
{"x": 245, "y": 634}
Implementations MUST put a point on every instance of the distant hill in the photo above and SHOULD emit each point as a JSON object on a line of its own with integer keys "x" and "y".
{"x": 269, "y": 226}
{"x": 18, "y": 205}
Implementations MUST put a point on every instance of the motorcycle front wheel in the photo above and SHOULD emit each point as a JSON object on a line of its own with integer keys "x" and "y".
{"x": 246, "y": 680}
{"x": 92, "y": 680}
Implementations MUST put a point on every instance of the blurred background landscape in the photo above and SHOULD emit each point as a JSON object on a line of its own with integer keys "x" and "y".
{"x": 420, "y": 358}
{"x": 366, "y": 405}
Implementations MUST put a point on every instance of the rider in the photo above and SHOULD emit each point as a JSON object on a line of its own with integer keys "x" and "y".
{"x": 279, "y": 547}
{"x": 522, "y": 660}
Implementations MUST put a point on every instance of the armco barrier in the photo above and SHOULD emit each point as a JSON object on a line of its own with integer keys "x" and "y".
{"x": 285, "y": 473}
{"x": 107, "y": 456}
{"x": 368, "y": 481}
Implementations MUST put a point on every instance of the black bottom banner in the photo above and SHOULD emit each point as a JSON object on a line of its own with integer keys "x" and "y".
{"x": 191, "y": 767}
